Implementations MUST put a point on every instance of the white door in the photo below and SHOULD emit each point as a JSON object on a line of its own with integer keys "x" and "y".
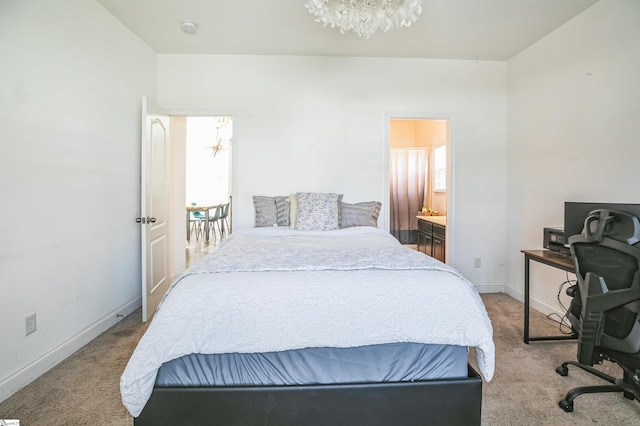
{"x": 155, "y": 206}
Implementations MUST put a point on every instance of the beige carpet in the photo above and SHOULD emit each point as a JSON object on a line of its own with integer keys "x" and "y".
{"x": 84, "y": 389}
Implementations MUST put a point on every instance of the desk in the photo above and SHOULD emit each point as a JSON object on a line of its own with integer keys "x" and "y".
{"x": 204, "y": 209}
{"x": 555, "y": 260}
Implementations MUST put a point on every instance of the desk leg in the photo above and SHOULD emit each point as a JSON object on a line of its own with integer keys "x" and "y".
{"x": 206, "y": 226}
{"x": 526, "y": 299}
{"x": 188, "y": 228}
{"x": 527, "y": 305}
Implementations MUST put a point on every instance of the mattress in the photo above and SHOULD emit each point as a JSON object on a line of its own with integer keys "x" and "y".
{"x": 275, "y": 290}
{"x": 393, "y": 362}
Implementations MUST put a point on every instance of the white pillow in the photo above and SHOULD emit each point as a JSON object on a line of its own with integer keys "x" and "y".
{"x": 318, "y": 211}
{"x": 293, "y": 210}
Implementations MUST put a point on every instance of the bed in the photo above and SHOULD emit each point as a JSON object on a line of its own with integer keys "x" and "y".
{"x": 339, "y": 327}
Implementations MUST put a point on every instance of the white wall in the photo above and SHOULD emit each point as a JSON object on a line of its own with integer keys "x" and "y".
{"x": 573, "y": 103}
{"x": 207, "y": 176}
{"x": 72, "y": 77}
{"x": 71, "y": 80}
{"x": 318, "y": 124}
{"x": 177, "y": 198}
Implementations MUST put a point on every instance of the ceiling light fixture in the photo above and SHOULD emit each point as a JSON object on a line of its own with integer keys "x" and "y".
{"x": 189, "y": 27}
{"x": 221, "y": 122}
{"x": 365, "y": 17}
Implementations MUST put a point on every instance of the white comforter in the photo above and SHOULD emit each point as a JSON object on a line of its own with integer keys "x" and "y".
{"x": 272, "y": 289}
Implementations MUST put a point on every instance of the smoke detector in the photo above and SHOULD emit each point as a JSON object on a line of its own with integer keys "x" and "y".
{"x": 189, "y": 27}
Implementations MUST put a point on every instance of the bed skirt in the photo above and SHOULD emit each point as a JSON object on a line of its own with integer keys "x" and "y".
{"x": 433, "y": 402}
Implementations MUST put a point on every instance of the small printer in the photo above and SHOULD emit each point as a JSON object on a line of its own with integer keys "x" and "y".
{"x": 555, "y": 240}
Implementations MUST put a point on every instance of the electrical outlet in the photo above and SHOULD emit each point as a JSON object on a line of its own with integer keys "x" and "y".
{"x": 30, "y": 325}
{"x": 477, "y": 261}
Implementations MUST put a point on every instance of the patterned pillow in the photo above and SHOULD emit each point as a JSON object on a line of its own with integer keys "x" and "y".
{"x": 318, "y": 211}
{"x": 359, "y": 214}
{"x": 271, "y": 211}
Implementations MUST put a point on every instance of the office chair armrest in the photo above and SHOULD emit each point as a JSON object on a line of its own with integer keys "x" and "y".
{"x": 571, "y": 291}
{"x": 596, "y": 296}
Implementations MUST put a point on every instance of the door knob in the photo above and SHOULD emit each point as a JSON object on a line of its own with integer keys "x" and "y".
{"x": 140, "y": 220}
{"x": 151, "y": 219}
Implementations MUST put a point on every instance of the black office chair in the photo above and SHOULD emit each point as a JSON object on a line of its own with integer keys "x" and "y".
{"x": 604, "y": 311}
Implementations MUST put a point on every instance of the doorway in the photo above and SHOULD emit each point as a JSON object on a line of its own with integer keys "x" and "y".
{"x": 208, "y": 158}
{"x": 418, "y": 166}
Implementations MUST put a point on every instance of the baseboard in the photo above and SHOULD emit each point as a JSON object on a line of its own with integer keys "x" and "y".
{"x": 514, "y": 292}
{"x": 29, "y": 373}
{"x": 489, "y": 288}
{"x": 534, "y": 302}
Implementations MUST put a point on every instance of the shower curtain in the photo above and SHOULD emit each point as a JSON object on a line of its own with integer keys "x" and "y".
{"x": 408, "y": 188}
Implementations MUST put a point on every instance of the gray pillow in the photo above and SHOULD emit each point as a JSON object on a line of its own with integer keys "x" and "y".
{"x": 271, "y": 211}
{"x": 282, "y": 210}
{"x": 318, "y": 211}
{"x": 360, "y": 214}
{"x": 266, "y": 212}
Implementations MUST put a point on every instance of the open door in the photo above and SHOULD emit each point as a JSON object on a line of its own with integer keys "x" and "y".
{"x": 154, "y": 206}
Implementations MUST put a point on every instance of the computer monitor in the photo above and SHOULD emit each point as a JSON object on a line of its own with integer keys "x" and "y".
{"x": 576, "y": 212}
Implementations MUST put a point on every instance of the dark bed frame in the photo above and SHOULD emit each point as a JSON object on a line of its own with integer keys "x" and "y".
{"x": 434, "y": 402}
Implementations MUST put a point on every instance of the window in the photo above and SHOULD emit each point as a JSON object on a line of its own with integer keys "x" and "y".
{"x": 440, "y": 168}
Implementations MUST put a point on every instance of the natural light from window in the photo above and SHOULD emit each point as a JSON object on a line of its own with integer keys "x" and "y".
{"x": 440, "y": 168}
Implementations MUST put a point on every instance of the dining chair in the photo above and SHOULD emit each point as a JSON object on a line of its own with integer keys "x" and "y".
{"x": 224, "y": 217}
{"x": 196, "y": 220}
{"x": 215, "y": 219}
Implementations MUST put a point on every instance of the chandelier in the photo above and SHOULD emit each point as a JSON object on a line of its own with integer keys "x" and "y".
{"x": 224, "y": 123}
{"x": 365, "y": 17}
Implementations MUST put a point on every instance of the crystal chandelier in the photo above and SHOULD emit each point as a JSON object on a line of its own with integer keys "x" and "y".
{"x": 365, "y": 17}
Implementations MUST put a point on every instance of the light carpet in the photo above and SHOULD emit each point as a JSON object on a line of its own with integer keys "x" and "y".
{"x": 84, "y": 388}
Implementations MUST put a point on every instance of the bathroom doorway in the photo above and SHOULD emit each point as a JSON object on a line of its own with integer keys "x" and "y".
{"x": 418, "y": 160}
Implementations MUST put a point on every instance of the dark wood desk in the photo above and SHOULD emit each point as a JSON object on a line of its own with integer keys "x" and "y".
{"x": 555, "y": 260}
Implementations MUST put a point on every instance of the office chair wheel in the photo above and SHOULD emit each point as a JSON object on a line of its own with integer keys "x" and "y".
{"x": 566, "y": 405}
{"x": 562, "y": 370}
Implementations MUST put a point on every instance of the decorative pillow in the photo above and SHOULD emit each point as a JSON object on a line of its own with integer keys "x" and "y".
{"x": 359, "y": 214}
{"x": 266, "y": 212}
{"x": 318, "y": 211}
{"x": 271, "y": 211}
{"x": 293, "y": 210}
{"x": 282, "y": 210}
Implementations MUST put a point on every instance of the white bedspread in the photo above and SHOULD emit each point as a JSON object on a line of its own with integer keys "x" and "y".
{"x": 273, "y": 289}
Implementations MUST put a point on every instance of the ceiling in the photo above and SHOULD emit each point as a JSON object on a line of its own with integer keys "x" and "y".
{"x": 447, "y": 29}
